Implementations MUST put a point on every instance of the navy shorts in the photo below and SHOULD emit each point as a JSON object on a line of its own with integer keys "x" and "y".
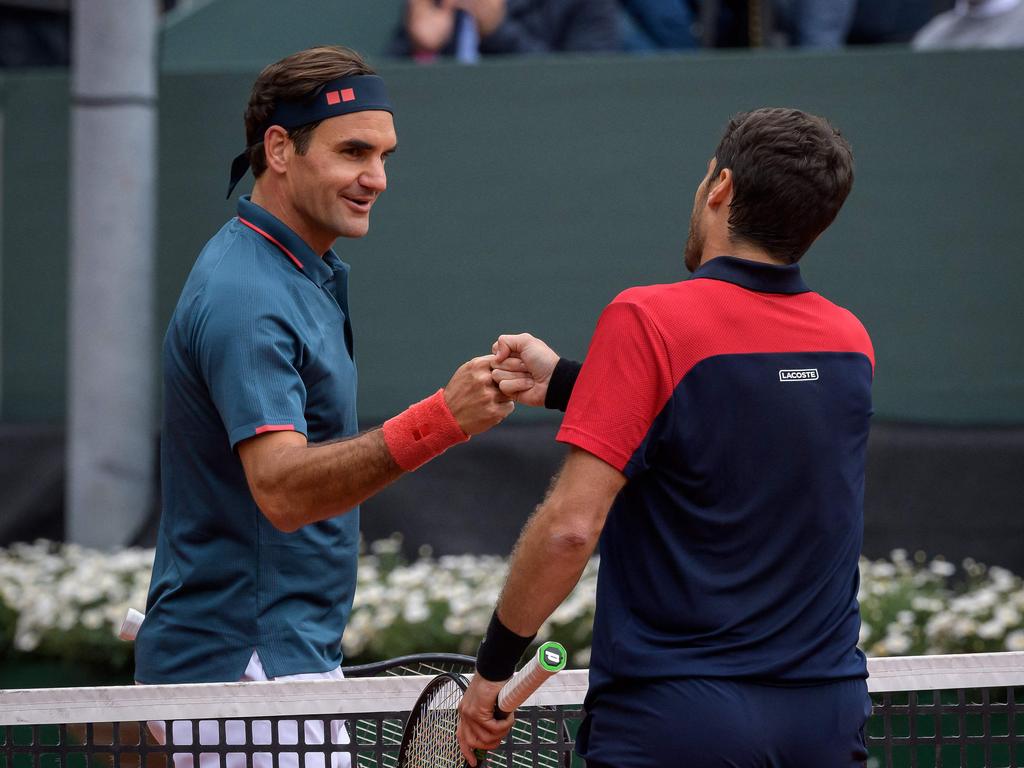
{"x": 711, "y": 723}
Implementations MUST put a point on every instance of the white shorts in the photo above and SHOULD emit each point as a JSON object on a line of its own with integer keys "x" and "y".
{"x": 234, "y": 733}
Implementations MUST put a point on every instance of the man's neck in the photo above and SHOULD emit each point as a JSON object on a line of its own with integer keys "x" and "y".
{"x": 739, "y": 250}
{"x": 276, "y": 204}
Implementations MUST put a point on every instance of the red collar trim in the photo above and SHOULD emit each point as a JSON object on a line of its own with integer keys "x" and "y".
{"x": 269, "y": 237}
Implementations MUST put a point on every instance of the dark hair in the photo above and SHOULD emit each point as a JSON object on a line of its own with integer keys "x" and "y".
{"x": 791, "y": 174}
{"x": 294, "y": 78}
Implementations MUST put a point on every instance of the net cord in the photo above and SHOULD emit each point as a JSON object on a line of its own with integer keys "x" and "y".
{"x": 363, "y": 695}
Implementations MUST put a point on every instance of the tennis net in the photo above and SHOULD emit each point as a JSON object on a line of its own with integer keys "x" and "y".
{"x": 941, "y": 711}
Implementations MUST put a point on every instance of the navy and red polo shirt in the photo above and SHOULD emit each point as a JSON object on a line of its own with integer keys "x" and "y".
{"x": 737, "y": 404}
{"x": 260, "y": 340}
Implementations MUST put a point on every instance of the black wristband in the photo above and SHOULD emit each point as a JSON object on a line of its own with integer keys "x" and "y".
{"x": 500, "y": 651}
{"x": 563, "y": 379}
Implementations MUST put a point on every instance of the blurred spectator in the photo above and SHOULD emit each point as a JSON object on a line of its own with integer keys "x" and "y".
{"x": 34, "y": 34}
{"x": 729, "y": 24}
{"x": 891, "y": 21}
{"x": 463, "y": 28}
{"x": 815, "y": 23}
{"x": 770, "y": 23}
{"x": 826, "y": 24}
{"x": 975, "y": 24}
{"x": 650, "y": 25}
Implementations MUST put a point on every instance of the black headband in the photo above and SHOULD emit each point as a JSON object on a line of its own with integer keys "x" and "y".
{"x": 355, "y": 93}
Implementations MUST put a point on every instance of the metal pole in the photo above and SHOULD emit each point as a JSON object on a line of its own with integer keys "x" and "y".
{"x": 110, "y": 407}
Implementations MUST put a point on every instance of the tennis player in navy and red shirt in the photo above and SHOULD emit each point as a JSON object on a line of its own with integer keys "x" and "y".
{"x": 718, "y": 431}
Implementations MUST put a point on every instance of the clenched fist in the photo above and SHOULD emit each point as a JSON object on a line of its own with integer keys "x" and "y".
{"x": 474, "y": 398}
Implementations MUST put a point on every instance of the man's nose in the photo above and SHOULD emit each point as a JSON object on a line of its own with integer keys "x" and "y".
{"x": 375, "y": 177}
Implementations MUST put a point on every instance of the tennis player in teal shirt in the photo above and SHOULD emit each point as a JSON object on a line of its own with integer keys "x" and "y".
{"x": 263, "y": 468}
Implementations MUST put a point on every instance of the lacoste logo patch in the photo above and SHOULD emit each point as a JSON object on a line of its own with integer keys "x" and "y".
{"x": 798, "y": 374}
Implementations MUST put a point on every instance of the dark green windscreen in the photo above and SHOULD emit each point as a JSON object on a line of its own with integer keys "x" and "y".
{"x": 527, "y": 193}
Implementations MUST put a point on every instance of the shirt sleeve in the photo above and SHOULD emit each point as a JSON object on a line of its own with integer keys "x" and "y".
{"x": 624, "y": 384}
{"x": 249, "y": 360}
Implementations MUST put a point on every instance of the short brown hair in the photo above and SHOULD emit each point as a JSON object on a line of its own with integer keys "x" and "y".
{"x": 295, "y": 78}
{"x": 791, "y": 171}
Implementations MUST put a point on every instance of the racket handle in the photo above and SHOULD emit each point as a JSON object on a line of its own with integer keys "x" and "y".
{"x": 549, "y": 659}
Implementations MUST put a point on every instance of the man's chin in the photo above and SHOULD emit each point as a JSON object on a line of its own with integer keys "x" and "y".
{"x": 355, "y": 229}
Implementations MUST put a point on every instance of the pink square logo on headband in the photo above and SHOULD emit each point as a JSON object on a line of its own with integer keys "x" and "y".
{"x": 333, "y": 97}
{"x": 347, "y": 94}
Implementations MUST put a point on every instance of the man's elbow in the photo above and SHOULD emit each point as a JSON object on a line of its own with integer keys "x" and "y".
{"x": 572, "y": 542}
{"x": 278, "y": 511}
{"x": 571, "y": 537}
{"x": 287, "y": 513}
{"x": 572, "y": 526}
{"x": 284, "y": 522}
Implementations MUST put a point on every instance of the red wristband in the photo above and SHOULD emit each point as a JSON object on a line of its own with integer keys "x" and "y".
{"x": 422, "y": 431}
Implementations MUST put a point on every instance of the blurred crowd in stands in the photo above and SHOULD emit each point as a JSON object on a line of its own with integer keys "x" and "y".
{"x": 36, "y": 32}
{"x": 467, "y": 29}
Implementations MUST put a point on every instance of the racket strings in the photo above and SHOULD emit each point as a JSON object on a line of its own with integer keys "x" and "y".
{"x": 433, "y": 743}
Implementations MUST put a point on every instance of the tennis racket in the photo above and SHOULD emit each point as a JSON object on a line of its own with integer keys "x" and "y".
{"x": 429, "y": 737}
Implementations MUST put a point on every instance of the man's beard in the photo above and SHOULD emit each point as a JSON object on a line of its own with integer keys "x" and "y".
{"x": 694, "y": 250}
{"x": 694, "y": 245}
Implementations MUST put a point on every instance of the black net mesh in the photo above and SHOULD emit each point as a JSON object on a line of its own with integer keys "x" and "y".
{"x": 934, "y": 712}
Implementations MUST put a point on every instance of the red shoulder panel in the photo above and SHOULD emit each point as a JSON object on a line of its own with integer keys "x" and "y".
{"x": 649, "y": 338}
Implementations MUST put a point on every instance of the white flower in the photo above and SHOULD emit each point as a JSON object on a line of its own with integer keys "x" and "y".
{"x": 926, "y": 604}
{"x": 26, "y": 641}
{"x": 1008, "y": 615}
{"x": 883, "y": 570}
{"x": 92, "y": 619}
{"x": 581, "y": 658}
{"x": 964, "y": 627}
{"x": 389, "y": 546}
{"x": 896, "y": 643}
{"x": 865, "y": 633}
{"x": 1015, "y": 640}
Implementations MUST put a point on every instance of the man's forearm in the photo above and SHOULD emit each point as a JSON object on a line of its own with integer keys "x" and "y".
{"x": 549, "y": 557}
{"x": 319, "y": 481}
{"x": 546, "y": 564}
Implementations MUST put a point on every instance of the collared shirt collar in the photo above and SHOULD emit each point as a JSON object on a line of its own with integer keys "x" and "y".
{"x": 317, "y": 268}
{"x": 754, "y": 275}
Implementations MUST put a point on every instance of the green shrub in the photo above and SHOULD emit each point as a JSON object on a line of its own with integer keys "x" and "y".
{"x": 64, "y": 602}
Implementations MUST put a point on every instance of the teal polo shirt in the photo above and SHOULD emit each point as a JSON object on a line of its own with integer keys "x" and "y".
{"x": 260, "y": 341}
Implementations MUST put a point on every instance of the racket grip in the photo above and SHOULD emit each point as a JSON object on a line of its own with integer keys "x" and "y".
{"x": 549, "y": 659}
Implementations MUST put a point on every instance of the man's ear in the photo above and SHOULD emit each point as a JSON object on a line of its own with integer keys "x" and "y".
{"x": 277, "y": 148}
{"x": 720, "y": 188}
